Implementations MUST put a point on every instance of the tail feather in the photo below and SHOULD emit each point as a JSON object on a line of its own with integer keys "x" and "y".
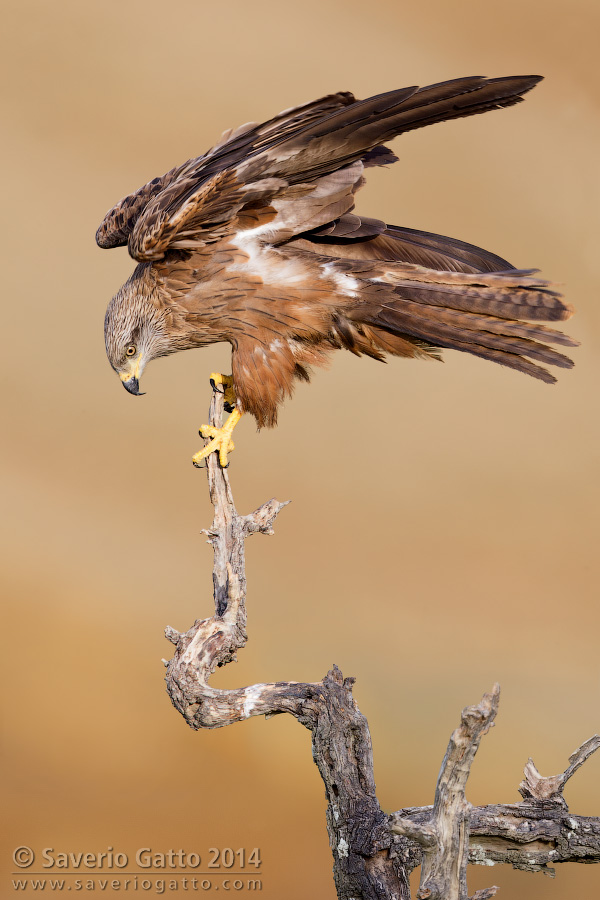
{"x": 441, "y": 328}
{"x": 478, "y": 314}
{"x": 511, "y": 360}
{"x": 494, "y": 324}
{"x": 512, "y": 294}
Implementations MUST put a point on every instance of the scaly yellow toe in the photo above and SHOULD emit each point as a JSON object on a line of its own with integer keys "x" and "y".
{"x": 221, "y": 440}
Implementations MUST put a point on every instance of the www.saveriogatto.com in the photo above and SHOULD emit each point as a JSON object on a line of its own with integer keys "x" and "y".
{"x": 146, "y": 870}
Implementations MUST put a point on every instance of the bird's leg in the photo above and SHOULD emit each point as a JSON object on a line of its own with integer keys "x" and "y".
{"x": 221, "y": 437}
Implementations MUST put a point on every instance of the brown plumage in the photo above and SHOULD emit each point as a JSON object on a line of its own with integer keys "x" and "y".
{"x": 255, "y": 243}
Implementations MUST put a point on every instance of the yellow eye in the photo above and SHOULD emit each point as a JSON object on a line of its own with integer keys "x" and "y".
{"x": 130, "y": 350}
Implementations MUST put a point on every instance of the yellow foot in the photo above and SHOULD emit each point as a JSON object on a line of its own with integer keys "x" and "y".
{"x": 228, "y": 392}
{"x": 221, "y": 439}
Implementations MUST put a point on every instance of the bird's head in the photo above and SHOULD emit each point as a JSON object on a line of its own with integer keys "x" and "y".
{"x": 135, "y": 331}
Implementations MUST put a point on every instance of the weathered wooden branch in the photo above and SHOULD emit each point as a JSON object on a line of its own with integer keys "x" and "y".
{"x": 373, "y": 852}
{"x": 532, "y": 835}
{"x": 445, "y": 836}
{"x": 535, "y": 787}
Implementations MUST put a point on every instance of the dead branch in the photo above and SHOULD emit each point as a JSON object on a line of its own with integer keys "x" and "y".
{"x": 373, "y": 853}
{"x": 358, "y": 830}
{"x": 445, "y": 836}
{"x": 535, "y": 787}
{"x": 532, "y": 836}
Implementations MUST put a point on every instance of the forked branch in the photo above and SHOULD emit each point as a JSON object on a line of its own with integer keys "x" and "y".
{"x": 373, "y": 853}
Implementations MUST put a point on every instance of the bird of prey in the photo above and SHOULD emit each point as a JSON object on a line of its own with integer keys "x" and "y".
{"x": 256, "y": 243}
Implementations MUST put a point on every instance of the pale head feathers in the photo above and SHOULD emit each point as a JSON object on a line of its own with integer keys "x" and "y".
{"x": 136, "y": 317}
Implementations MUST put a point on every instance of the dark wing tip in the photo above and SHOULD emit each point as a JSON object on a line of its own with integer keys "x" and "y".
{"x": 533, "y": 79}
{"x": 102, "y": 239}
{"x": 522, "y": 83}
{"x": 113, "y": 230}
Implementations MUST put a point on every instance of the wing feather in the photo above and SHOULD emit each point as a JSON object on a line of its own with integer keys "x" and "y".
{"x": 233, "y": 147}
{"x": 319, "y": 149}
{"x": 374, "y": 240}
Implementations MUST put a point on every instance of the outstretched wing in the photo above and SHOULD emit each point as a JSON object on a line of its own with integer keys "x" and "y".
{"x": 294, "y": 174}
{"x": 233, "y": 147}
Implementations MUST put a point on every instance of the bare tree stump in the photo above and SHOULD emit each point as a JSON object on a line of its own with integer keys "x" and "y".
{"x": 373, "y": 853}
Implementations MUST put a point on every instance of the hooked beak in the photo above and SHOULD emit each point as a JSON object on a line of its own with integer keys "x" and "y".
{"x": 133, "y": 386}
{"x": 131, "y": 378}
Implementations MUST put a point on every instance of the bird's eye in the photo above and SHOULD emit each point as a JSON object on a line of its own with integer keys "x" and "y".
{"x": 130, "y": 351}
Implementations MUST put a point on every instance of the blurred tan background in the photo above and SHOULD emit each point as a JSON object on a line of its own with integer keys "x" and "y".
{"x": 473, "y": 558}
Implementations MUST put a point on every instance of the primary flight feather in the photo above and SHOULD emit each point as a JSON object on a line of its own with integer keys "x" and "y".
{"x": 256, "y": 243}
